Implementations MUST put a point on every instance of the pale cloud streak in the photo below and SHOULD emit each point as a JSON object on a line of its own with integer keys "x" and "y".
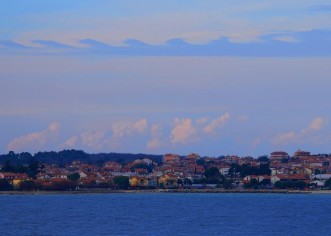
{"x": 101, "y": 139}
{"x": 92, "y": 139}
{"x": 215, "y": 124}
{"x": 127, "y": 128}
{"x": 121, "y": 129}
{"x": 36, "y": 140}
{"x": 202, "y": 22}
{"x": 71, "y": 142}
{"x": 317, "y": 124}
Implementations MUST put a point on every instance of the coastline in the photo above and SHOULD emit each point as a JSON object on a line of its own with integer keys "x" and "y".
{"x": 214, "y": 191}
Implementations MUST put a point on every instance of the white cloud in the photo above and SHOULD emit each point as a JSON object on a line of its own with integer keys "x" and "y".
{"x": 127, "y": 128}
{"x": 92, "y": 139}
{"x": 34, "y": 141}
{"x": 140, "y": 126}
{"x": 100, "y": 139}
{"x": 183, "y": 132}
{"x": 71, "y": 142}
{"x": 217, "y": 123}
{"x": 122, "y": 129}
{"x": 316, "y": 125}
{"x": 285, "y": 137}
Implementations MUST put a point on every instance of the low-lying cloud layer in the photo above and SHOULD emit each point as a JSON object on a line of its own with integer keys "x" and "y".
{"x": 303, "y": 135}
{"x": 288, "y": 44}
{"x": 160, "y": 137}
{"x": 35, "y": 140}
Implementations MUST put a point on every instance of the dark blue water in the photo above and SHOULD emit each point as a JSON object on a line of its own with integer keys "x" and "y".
{"x": 166, "y": 214}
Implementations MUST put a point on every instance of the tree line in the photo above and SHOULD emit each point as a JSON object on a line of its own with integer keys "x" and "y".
{"x": 65, "y": 157}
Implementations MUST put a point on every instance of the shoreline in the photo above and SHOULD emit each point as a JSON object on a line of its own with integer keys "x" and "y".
{"x": 163, "y": 191}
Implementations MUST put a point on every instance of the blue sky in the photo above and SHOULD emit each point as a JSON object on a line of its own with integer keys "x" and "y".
{"x": 212, "y": 77}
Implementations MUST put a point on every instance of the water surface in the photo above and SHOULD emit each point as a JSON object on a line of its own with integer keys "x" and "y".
{"x": 166, "y": 214}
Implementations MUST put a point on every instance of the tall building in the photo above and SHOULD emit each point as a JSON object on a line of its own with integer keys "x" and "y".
{"x": 300, "y": 153}
{"x": 279, "y": 155}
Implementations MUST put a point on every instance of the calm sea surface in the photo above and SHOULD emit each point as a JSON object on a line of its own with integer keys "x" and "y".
{"x": 166, "y": 214}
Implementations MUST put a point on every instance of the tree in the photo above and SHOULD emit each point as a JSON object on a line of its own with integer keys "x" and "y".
{"x": 122, "y": 182}
{"x": 74, "y": 176}
{"x": 234, "y": 170}
{"x": 327, "y": 183}
{"x": 253, "y": 183}
{"x": 33, "y": 168}
{"x": 300, "y": 185}
{"x": 263, "y": 158}
{"x": 264, "y": 169}
{"x": 200, "y": 162}
{"x": 180, "y": 182}
{"x": 280, "y": 185}
{"x": 5, "y": 185}
{"x": 62, "y": 185}
{"x": 142, "y": 166}
{"x": 226, "y": 183}
{"x": 212, "y": 172}
{"x": 187, "y": 181}
{"x": 28, "y": 185}
{"x": 265, "y": 182}
{"x": 290, "y": 184}
{"x": 7, "y": 167}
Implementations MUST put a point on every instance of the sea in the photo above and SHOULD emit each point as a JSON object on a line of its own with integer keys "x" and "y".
{"x": 166, "y": 214}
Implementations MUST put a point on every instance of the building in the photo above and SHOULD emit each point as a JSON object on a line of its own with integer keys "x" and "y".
{"x": 300, "y": 153}
{"x": 170, "y": 158}
{"x": 279, "y": 155}
{"x": 192, "y": 157}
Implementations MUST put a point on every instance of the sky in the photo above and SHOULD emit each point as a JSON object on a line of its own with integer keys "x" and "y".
{"x": 212, "y": 77}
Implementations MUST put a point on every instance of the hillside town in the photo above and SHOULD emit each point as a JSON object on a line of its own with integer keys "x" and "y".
{"x": 279, "y": 170}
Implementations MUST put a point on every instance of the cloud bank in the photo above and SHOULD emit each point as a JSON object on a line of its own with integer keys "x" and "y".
{"x": 36, "y": 140}
{"x": 301, "y": 136}
{"x": 287, "y": 44}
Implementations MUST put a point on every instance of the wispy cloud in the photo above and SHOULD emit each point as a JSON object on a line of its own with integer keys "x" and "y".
{"x": 71, "y": 142}
{"x": 101, "y": 139}
{"x": 301, "y": 136}
{"x": 95, "y": 140}
{"x": 287, "y": 44}
{"x": 127, "y": 128}
{"x": 215, "y": 124}
{"x": 121, "y": 129}
{"x": 36, "y": 140}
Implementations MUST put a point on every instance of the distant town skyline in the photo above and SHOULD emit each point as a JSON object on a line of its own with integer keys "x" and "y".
{"x": 209, "y": 77}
